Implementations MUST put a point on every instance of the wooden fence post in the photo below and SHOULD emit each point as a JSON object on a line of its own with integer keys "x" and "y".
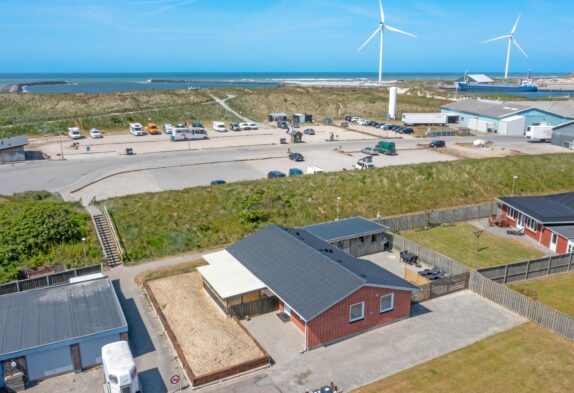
{"x": 570, "y": 262}
{"x": 505, "y": 274}
{"x": 527, "y": 269}
{"x": 549, "y": 265}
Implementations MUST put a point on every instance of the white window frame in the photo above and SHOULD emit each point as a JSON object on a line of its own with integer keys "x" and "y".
{"x": 351, "y": 319}
{"x": 381, "y": 310}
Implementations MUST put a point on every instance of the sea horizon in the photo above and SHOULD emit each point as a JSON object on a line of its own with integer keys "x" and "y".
{"x": 111, "y": 82}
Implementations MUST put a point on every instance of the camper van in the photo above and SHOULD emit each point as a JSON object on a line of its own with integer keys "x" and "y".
{"x": 119, "y": 368}
{"x": 136, "y": 129}
{"x": 74, "y": 133}
{"x": 219, "y": 126}
{"x": 182, "y": 132}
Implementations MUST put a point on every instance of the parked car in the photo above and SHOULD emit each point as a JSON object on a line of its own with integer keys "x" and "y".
{"x": 372, "y": 151}
{"x": 385, "y": 147}
{"x": 74, "y": 133}
{"x": 217, "y": 182}
{"x": 296, "y": 157}
{"x": 381, "y": 126}
{"x": 296, "y": 125}
{"x": 388, "y": 127}
{"x": 295, "y": 172}
{"x": 309, "y": 131}
{"x": 349, "y": 118}
{"x": 234, "y": 127}
{"x": 283, "y": 124}
{"x": 219, "y": 126}
{"x": 252, "y": 126}
{"x": 365, "y": 163}
{"x": 437, "y": 143}
{"x": 405, "y": 130}
{"x": 275, "y": 174}
{"x": 95, "y": 133}
{"x": 168, "y": 128}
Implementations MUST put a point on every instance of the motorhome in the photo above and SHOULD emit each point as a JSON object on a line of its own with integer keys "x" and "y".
{"x": 219, "y": 126}
{"x": 120, "y": 371}
{"x": 136, "y": 129}
{"x": 182, "y": 132}
{"x": 74, "y": 133}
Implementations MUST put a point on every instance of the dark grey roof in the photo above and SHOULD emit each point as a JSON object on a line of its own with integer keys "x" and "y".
{"x": 345, "y": 229}
{"x": 49, "y": 315}
{"x": 566, "y": 231}
{"x": 16, "y": 141}
{"x": 304, "y": 271}
{"x": 547, "y": 209}
{"x": 488, "y": 108}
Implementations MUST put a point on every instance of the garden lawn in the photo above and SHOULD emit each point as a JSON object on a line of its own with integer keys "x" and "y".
{"x": 554, "y": 291}
{"x": 459, "y": 243}
{"x": 525, "y": 359}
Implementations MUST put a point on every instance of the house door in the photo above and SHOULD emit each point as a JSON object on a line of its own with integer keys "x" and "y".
{"x": 553, "y": 242}
{"x": 570, "y": 248}
{"x": 520, "y": 221}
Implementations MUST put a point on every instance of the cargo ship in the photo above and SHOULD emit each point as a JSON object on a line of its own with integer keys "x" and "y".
{"x": 526, "y": 86}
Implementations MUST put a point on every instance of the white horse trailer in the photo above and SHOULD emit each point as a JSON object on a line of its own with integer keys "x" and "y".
{"x": 120, "y": 370}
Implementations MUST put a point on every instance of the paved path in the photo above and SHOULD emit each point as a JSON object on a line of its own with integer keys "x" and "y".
{"x": 225, "y": 106}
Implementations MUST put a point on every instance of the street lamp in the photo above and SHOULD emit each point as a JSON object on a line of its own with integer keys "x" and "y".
{"x": 61, "y": 145}
{"x": 338, "y": 209}
{"x": 514, "y": 178}
{"x": 84, "y": 247}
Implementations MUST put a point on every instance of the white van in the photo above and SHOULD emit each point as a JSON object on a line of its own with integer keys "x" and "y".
{"x": 136, "y": 129}
{"x": 181, "y": 132}
{"x": 219, "y": 126}
{"x": 74, "y": 133}
{"x": 313, "y": 170}
{"x": 244, "y": 126}
{"x": 120, "y": 373}
{"x": 252, "y": 126}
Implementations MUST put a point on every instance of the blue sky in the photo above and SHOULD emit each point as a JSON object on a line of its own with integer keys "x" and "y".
{"x": 280, "y": 35}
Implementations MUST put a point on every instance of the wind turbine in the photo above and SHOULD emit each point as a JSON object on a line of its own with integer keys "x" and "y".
{"x": 381, "y": 29}
{"x": 511, "y": 40}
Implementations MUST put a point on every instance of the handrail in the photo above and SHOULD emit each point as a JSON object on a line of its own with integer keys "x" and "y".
{"x": 114, "y": 233}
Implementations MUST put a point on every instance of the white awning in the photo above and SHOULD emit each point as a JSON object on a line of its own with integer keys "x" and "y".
{"x": 227, "y": 276}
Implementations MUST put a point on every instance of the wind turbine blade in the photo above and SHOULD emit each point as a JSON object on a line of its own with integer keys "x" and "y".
{"x": 518, "y": 46}
{"x": 370, "y": 38}
{"x": 497, "y": 38}
{"x": 382, "y": 12}
{"x": 515, "y": 24}
{"x": 391, "y": 28}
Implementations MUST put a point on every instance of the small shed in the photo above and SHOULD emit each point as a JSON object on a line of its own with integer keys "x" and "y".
{"x": 12, "y": 149}
{"x": 356, "y": 236}
{"x": 275, "y": 117}
{"x": 302, "y": 118}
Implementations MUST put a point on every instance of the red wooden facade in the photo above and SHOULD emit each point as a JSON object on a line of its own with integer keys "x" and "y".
{"x": 541, "y": 234}
{"x": 334, "y": 323}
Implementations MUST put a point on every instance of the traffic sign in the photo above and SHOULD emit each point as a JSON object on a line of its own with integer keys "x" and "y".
{"x": 174, "y": 380}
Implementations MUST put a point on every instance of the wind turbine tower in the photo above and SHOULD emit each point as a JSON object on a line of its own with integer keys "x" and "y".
{"x": 381, "y": 31}
{"x": 511, "y": 41}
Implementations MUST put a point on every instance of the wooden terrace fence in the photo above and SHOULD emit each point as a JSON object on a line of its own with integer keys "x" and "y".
{"x": 441, "y": 287}
{"x": 528, "y": 270}
{"x": 48, "y": 280}
{"x": 522, "y": 305}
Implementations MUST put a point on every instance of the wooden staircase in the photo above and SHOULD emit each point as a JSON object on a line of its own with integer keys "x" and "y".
{"x": 109, "y": 240}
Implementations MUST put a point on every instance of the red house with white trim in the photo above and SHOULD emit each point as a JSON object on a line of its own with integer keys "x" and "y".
{"x": 327, "y": 293}
{"x": 548, "y": 219}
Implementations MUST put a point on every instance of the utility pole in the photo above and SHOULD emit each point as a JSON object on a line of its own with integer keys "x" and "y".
{"x": 61, "y": 145}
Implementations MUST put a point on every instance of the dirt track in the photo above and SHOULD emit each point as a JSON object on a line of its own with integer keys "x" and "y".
{"x": 209, "y": 340}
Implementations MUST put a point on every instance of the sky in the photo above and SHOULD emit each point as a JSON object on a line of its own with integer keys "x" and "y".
{"x": 281, "y": 35}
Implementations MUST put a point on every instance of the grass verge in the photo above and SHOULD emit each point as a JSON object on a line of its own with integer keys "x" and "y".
{"x": 459, "y": 243}
{"x": 527, "y": 358}
{"x": 153, "y": 225}
{"x": 555, "y": 291}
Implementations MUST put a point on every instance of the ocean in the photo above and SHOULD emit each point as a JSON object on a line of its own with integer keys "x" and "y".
{"x": 122, "y": 82}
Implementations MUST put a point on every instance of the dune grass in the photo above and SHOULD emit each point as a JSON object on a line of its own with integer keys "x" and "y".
{"x": 525, "y": 359}
{"x": 554, "y": 291}
{"x": 459, "y": 243}
{"x": 158, "y": 224}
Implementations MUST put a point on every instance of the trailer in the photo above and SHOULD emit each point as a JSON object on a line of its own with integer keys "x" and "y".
{"x": 512, "y": 126}
{"x": 539, "y": 133}
{"x": 120, "y": 371}
{"x": 429, "y": 119}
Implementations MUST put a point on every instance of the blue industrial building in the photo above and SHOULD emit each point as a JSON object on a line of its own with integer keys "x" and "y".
{"x": 509, "y": 117}
{"x": 54, "y": 330}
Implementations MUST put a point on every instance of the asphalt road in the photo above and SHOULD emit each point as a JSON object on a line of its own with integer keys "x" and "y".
{"x": 72, "y": 176}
